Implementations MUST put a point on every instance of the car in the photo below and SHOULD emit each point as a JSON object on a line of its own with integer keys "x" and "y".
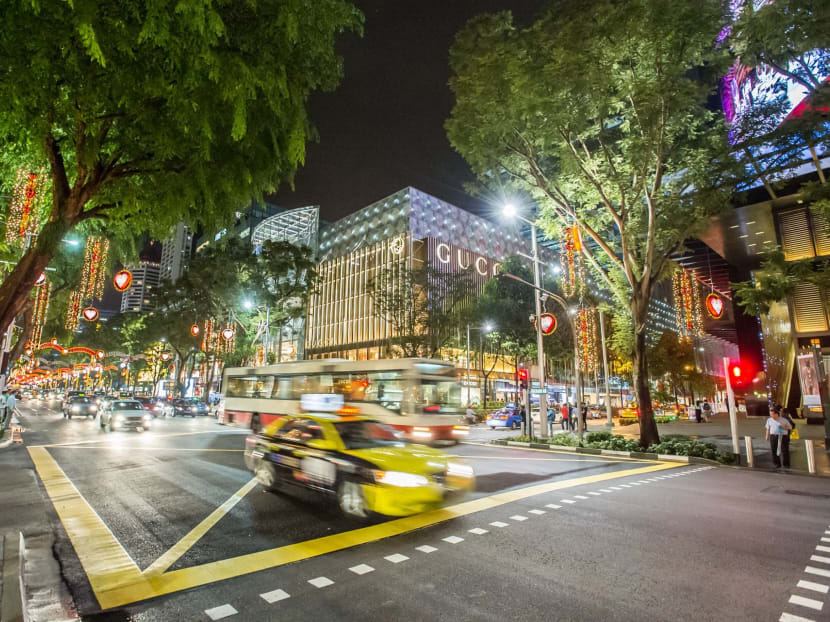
{"x": 188, "y": 406}
{"x": 507, "y": 417}
{"x": 149, "y": 404}
{"x": 125, "y": 414}
{"x": 361, "y": 463}
{"x": 99, "y": 397}
{"x": 79, "y": 405}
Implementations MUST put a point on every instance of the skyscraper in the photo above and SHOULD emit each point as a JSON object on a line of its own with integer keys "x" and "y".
{"x": 175, "y": 254}
{"x": 138, "y": 299}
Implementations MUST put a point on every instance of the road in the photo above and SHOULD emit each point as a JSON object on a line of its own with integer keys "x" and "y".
{"x": 167, "y": 525}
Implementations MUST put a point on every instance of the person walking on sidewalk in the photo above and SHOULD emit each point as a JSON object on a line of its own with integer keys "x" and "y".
{"x": 564, "y": 421}
{"x": 10, "y": 402}
{"x": 778, "y": 435}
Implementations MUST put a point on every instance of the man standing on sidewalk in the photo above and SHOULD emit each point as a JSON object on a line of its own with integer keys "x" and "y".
{"x": 8, "y": 403}
{"x": 779, "y": 439}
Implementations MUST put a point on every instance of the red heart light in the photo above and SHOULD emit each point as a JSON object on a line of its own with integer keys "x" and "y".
{"x": 228, "y": 334}
{"x": 194, "y": 330}
{"x": 165, "y": 356}
{"x": 90, "y": 314}
{"x": 100, "y": 354}
{"x": 122, "y": 280}
{"x": 714, "y": 305}
{"x": 41, "y": 279}
{"x": 548, "y": 323}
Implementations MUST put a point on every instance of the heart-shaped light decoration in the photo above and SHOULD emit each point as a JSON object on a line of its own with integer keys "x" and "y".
{"x": 714, "y": 305}
{"x": 122, "y": 280}
{"x": 54, "y": 341}
{"x": 41, "y": 279}
{"x": 548, "y": 323}
{"x": 227, "y": 334}
{"x": 194, "y": 330}
{"x": 100, "y": 354}
{"x": 165, "y": 356}
{"x": 90, "y": 314}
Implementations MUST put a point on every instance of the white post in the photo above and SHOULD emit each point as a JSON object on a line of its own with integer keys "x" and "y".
{"x": 609, "y": 421}
{"x": 811, "y": 456}
{"x": 469, "y": 399}
{"x": 537, "y": 280}
{"x": 750, "y": 457}
{"x": 733, "y": 415}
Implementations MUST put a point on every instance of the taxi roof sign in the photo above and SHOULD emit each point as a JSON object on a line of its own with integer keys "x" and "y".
{"x": 321, "y": 402}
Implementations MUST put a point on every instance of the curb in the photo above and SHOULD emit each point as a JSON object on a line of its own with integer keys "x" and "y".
{"x": 609, "y": 452}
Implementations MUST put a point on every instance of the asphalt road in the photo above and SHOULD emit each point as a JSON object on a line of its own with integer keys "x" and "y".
{"x": 546, "y": 536}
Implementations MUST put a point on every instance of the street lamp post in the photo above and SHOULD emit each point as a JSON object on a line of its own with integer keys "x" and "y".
{"x": 483, "y": 330}
{"x": 610, "y": 421}
{"x": 510, "y": 210}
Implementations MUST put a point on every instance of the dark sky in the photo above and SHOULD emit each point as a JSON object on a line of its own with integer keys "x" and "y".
{"x": 383, "y": 128}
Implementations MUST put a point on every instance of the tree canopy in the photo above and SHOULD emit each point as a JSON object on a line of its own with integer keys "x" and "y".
{"x": 147, "y": 112}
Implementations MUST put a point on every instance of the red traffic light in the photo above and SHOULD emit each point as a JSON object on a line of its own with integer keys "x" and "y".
{"x": 522, "y": 375}
{"x": 735, "y": 370}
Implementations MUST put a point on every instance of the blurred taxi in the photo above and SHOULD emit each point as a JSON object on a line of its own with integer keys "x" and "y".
{"x": 363, "y": 463}
{"x": 507, "y": 417}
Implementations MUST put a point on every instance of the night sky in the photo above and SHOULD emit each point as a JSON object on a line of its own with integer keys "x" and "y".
{"x": 383, "y": 128}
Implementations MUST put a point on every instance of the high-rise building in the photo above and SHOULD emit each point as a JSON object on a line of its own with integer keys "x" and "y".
{"x": 138, "y": 299}
{"x": 175, "y": 254}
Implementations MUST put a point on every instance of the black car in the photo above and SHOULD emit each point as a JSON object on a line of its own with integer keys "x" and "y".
{"x": 188, "y": 407}
{"x": 80, "y": 405}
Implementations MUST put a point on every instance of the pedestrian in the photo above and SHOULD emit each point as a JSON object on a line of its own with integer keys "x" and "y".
{"x": 574, "y": 414}
{"x": 3, "y": 399}
{"x": 698, "y": 412}
{"x": 551, "y": 417}
{"x": 777, "y": 433}
{"x": 471, "y": 415}
{"x": 564, "y": 421}
{"x": 584, "y": 413}
{"x": 11, "y": 402}
{"x": 707, "y": 411}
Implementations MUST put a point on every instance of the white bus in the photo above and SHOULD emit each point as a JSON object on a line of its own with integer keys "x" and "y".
{"x": 420, "y": 397}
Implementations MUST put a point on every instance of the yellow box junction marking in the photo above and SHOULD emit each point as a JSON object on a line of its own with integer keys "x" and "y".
{"x": 117, "y": 581}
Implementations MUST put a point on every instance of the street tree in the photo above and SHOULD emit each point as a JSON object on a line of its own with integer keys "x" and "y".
{"x": 599, "y": 112}
{"x": 146, "y": 114}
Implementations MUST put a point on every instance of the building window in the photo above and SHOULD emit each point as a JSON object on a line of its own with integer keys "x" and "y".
{"x": 804, "y": 234}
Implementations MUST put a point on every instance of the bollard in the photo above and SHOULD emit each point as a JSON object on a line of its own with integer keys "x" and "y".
{"x": 811, "y": 456}
{"x": 750, "y": 457}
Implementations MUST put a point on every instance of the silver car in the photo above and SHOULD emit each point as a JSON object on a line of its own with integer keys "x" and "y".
{"x": 125, "y": 414}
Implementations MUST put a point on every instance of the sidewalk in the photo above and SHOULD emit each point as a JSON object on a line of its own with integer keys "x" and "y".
{"x": 717, "y": 431}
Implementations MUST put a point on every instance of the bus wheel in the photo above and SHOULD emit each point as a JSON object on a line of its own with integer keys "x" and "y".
{"x": 255, "y": 425}
{"x": 351, "y": 500}
{"x": 266, "y": 474}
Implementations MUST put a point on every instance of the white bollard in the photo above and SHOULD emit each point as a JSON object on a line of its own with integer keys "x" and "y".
{"x": 811, "y": 456}
{"x": 750, "y": 457}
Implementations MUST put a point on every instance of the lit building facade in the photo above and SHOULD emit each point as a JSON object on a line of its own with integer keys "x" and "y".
{"x": 138, "y": 299}
{"x": 176, "y": 252}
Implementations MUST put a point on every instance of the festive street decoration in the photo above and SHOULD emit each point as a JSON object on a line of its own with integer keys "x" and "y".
{"x": 73, "y": 311}
{"x": 41, "y": 308}
{"x": 548, "y": 324}
{"x": 228, "y": 341}
{"x": 165, "y": 356}
{"x": 100, "y": 354}
{"x": 122, "y": 280}
{"x": 687, "y": 310}
{"x": 714, "y": 305}
{"x": 228, "y": 333}
{"x": 41, "y": 279}
{"x": 587, "y": 327}
{"x": 570, "y": 258}
{"x": 90, "y": 314}
{"x": 27, "y": 197}
{"x": 194, "y": 330}
{"x": 92, "y": 273}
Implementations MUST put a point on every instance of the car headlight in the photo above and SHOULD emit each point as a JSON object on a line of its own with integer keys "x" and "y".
{"x": 76, "y": 409}
{"x": 459, "y": 470}
{"x": 400, "y": 479}
{"x": 147, "y": 417}
{"x": 119, "y": 417}
{"x": 93, "y": 408}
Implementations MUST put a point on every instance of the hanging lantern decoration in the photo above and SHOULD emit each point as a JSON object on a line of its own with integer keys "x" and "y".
{"x": 195, "y": 330}
{"x": 587, "y": 327}
{"x": 92, "y": 274}
{"x": 548, "y": 324}
{"x": 715, "y": 305}
{"x": 122, "y": 280}
{"x": 208, "y": 337}
{"x": 687, "y": 310}
{"x": 40, "y": 309}
{"x": 73, "y": 311}
{"x": 41, "y": 279}
{"x": 90, "y": 314}
{"x": 570, "y": 258}
{"x": 27, "y": 196}
{"x": 165, "y": 356}
{"x": 227, "y": 342}
{"x": 100, "y": 354}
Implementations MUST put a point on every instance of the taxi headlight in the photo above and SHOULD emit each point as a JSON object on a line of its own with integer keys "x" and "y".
{"x": 76, "y": 409}
{"x": 400, "y": 479}
{"x": 119, "y": 417}
{"x": 93, "y": 408}
{"x": 147, "y": 417}
{"x": 459, "y": 470}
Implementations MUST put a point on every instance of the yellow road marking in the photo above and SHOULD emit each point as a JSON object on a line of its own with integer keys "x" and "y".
{"x": 104, "y": 440}
{"x": 106, "y": 563}
{"x": 525, "y": 459}
{"x": 133, "y": 447}
{"x": 565, "y": 453}
{"x": 132, "y": 589}
{"x": 182, "y": 546}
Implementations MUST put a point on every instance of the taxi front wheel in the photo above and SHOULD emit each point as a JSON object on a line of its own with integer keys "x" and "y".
{"x": 351, "y": 500}
{"x": 267, "y": 475}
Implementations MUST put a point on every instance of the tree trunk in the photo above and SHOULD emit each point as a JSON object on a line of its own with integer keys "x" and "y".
{"x": 648, "y": 427}
{"x": 25, "y": 334}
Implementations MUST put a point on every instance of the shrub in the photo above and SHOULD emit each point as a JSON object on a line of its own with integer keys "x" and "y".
{"x": 594, "y": 437}
{"x": 683, "y": 446}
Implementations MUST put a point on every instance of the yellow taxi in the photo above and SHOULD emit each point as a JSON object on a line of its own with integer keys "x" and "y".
{"x": 363, "y": 463}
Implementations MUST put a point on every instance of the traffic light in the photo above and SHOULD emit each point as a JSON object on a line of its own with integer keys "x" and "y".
{"x": 735, "y": 370}
{"x": 522, "y": 374}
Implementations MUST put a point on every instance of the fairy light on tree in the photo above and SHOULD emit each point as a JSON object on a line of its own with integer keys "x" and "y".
{"x": 587, "y": 326}
{"x": 570, "y": 258}
{"x": 92, "y": 280}
{"x": 27, "y": 198}
{"x": 41, "y": 308}
{"x": 686, "y": 290}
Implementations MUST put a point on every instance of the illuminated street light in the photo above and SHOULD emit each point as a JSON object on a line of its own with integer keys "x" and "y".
{"x": 248, "y": 305}
{"x": 509, "y": 210}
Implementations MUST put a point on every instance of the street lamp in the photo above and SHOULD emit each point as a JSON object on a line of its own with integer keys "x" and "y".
{"x": 511, "y": 212}
{"x": 248, "y": 305}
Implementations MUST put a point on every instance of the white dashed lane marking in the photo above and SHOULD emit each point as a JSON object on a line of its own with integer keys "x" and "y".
{"x": 788, "y": 617}
{"x": 518, "y": 517}
{"x": 567, "y": 501}
{"x": 806, "y": 602}
{"x": 361, "y": 569}
{"x": 553, "y": 506}
{"x": 453, "y": 539}
{"x": 595, "y": 494}
{"x": 498, "y": 523}
{"x": 823, "y": 549}
{"x": 397, "y": 558}
{"x": 222, "y": 611}
{"x": 537, "y": 512}
{"x": 321, "y": 582}
{"x": 478, "y": 531}
{"x": 815, "y": 587}
{"x": 821, "y": 572}
{"x": 426, "y": 548}
{"x": 820, "y": 559}
{"x": 275, "y": 596}
{"x": 580, "y": 497}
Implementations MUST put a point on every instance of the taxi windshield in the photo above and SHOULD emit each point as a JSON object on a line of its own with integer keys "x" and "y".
{"x": 367, "y": 434}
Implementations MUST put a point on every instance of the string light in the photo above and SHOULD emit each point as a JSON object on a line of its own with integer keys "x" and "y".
{"x": 27, "y": 197}
{"x": 41, "y": 308}
{"x": 687, "y": 306}
{"x": 73, "y": 311}
{"x": 587, "y": 340}
{"x": 570, "y": 258}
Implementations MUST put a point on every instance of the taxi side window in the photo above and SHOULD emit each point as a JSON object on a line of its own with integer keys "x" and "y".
{"x": 300, "y": 431}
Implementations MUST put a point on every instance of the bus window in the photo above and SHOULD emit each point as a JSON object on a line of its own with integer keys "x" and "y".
{"x": 250, "y": 386}
{"x": 262, "y": 387}
{"x": 351, "y": 386}
{"x": 282, "y": 388}
{"x": 386, "y": 388}
{"x": 440, "y": 396}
